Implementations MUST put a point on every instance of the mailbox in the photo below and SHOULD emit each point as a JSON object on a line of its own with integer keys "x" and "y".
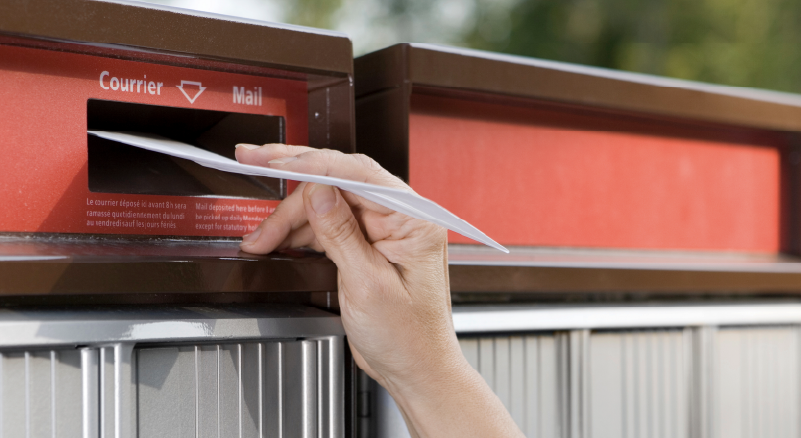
{"x": 208, "y": 81}
{"x": 128, "y": 309}
{"x": 548, "y": 154}
{"x": 653, "y": 224}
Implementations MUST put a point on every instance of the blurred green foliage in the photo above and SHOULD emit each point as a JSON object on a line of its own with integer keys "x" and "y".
{"x": 752, "y": 43}
{"x": 313, "y": 13}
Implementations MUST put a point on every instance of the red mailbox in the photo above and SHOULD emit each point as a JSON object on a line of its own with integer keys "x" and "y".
{"x": 540, "y": 153}
{"x": 71, "y": 66}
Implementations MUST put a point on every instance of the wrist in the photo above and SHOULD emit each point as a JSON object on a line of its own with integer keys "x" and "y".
{"x": 425, "y": 364}
{"x": 456, "y": 403}
{"x": 432, "y": 381}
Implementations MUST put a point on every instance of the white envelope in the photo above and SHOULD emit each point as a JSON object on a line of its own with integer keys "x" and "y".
{"x": 410, "y": 204}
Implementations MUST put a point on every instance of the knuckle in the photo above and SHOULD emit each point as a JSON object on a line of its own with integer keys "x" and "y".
{"x": 341, "y": 232}
{"x": 329, "y": 152}
{"x": 323, "y": 155}
{"x": 277, "y": 214}
{"x": 364, "y": 159}
{"x": 335, "y": 160}
{"x": 431, "y": 236}
{"x": 263, "y": 223}
{"x": 367, "y": 162}
{"x": 373, "y": 168}
{"x": 438, "y": 233}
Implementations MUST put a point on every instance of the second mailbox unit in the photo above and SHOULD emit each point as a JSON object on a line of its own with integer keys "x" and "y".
{"x": 548, "y": 154}
{"x": 650, "y": 223}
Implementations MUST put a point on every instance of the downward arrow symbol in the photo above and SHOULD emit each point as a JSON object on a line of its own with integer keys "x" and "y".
{"x": 191, "y": 83}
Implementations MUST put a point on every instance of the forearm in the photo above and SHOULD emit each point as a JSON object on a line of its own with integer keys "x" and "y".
{"x": 453, "y": 403}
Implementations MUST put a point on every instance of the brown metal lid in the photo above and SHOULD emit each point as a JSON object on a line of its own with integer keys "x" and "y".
{"x": 165, "y": 29}
{"x": 445, "y": 67}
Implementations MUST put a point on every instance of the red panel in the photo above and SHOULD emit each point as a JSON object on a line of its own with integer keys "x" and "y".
{"x": 551, "y": 177}
{"x": 43, "y": 150}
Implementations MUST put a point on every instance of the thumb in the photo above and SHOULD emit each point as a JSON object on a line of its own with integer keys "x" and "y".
{"x": 336, "y": 229}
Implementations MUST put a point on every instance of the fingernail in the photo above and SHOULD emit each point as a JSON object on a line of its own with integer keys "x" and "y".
{"x": 250, "y": 239}
{"x": 322, "y": 198}
{"x": 249, "y": 147}
{"x": 282, "y": 161}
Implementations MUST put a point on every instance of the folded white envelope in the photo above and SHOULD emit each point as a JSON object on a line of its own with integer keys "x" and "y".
{"x": 408, "y": 203}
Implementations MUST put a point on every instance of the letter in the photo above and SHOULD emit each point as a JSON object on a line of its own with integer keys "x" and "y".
{"x": 159, "y": 85}
{"x": 239, "y": 94}
{"x": 105, "y": 73}
{"x": 123, "y": 84}
{"x": 151, "y": 87}
{"x": 249, "y": 98}
{"x": 114, "y": 81}
{"x": 133, "y": 82}
{"x": 259, "y": 96}
{"x": 138, "y": 84}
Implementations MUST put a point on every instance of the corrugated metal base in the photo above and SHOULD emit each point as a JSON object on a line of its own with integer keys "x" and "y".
{"x": 219, "y": 386}
{"x": 705, "y": 381}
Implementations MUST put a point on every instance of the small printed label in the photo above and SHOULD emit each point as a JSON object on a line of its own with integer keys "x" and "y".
{"x": 247, "y": 96}
{"x": 109, "y": 81}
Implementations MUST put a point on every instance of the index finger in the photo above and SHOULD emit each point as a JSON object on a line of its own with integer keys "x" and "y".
{"x": 325, "y": 162}
{"x": 262, "y": 155}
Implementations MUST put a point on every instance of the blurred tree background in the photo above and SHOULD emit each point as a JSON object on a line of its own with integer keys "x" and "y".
{"x": 750, "y": 43}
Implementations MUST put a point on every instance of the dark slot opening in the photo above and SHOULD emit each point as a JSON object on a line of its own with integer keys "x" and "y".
{"x": 119, "y": 168}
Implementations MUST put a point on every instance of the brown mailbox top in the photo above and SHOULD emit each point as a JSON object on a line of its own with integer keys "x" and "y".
{"x": 622, "y": 274}
{"x": 164, "y": 270}
{"x": 174, "y": 30}
{"x": 436, "y": 66}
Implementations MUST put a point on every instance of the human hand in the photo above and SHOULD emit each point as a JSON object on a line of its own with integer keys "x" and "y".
{"x": 393, "y": 280}
{"x": 392, "y": 268}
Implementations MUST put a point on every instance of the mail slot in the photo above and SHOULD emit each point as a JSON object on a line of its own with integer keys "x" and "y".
{"x": 144, "y": 317}
{"x": 118, "y": 168}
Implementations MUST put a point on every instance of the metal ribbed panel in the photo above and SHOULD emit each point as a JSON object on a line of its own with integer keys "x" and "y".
{"x": 241, "y": 389}
{"x": 40, "y": 393}
{"x": 172, "y": 372}
{"x": 517, "y": 379}
{"x": 300, "y": 387}
{"x": 116, "y": 391}
{"x": 638, "y": 384}
{"x": 272, "y": 386}
{"x": 578, "y": 384}
{"x": 756, "y": 385}
{"x": 223, "y": 390}
{"x": 167, "y": 389}
{"x": 330, "y": 406}
{"x": 523, "y": 371}
{"x": 89, "y": 392}
{"x": 711, "y": 372}
{"x": 699, "y": 382}
{"x": 547, "y": 422}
